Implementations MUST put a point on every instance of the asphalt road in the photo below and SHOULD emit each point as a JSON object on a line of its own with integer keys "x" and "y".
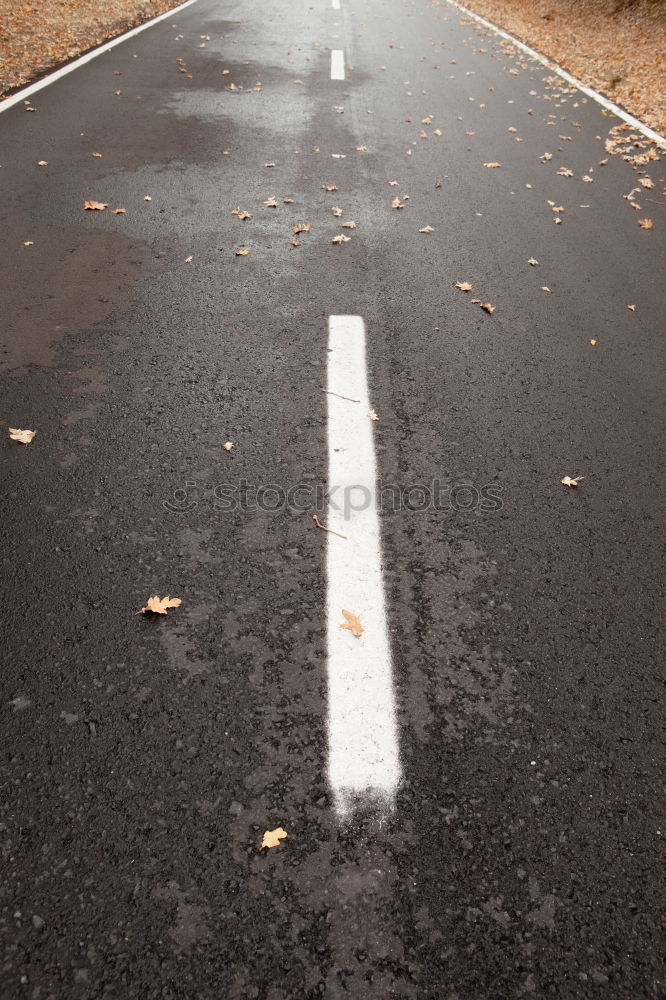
{"x": 143, "y": 758}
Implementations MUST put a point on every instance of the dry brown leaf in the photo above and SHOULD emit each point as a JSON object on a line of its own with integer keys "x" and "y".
{"x": 272, "y": 838}
{"x": 228, "y": 445}
{"x": 29, "y": 243}
{"x": 98, "y": 155}
{"x": 336, "y": 211}
{"x": 464, "y": 286}
{"x": 492, "y": 165}
{"x": 269, "y": 164}
{"x": 533, "y": 262}
{"x": 393, "y": 183}
{"x": 396, "y": 203}
{"x": 117, "y": 211}
{"x": 568, "y": 481}
{"x": 438, "y": 184}
{"x": 361, "y": 149}
{"x": 295, "y": 243}
{"x": 557, "y": 208}
{"x": 349, "y": 225}
{"x": 427, "y": 229}
{"x": 646, "y": 223}
{"x": 242, "y": 251}
{"x": 329, "y": 187}
{"x": 302, "y": 227}
{"x": 160, "y": 605}
{"x": 373, "y": 415}
{"x": 352, "y": 624}
{"x": 545, "y": 288}
{"x": 147, "y": 198}
{"x": 42, "y": 163}
{"x": 188, "y": 260}
{"x": 241, "y": 213}
{"x": 95, "y": 206}
{"x": 288, "y": 201}
{"x": 565, "y": 172}
{"x": 633, "y": 308}
{"x": 341, "y": 238}
{"x": 25, "y": 437}
{"x": 271, "y": 202}
{"x": 490, "y": 309}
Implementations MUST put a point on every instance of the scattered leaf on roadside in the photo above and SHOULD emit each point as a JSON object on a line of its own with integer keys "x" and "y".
{"x": 228, "y": 445}
{"x": 341, "y": 238}
{"x": 269, "y": 164}
{"x": 352, "y": 624}
{"x": 464, "y": 286}
{"x": 272, "y": 838}
{"x": 545, "y": 288}
{"x": 557, "y": 208}
{"x": 97, "y": 155}
{"x": 438, "y": 184}
{"x": 271, "y": 202}
{"x": 349, "y": 225}
{"x": 533, "y": 262}
{"x": 160, "y": 605}
{"x": 241, "y": 213}
{"x": 373, "y": 415}
{"x": 565, "y": 172}
{"x": 633, "y": 308}
{"x": 646, "y": 223}
{"x": 568, "y": 481}
{"x": 118, "y": 211}
{"x": 295, "y": 243}
{"x": 288, "y": 201}
{"x": 147, "y": 198}
{"x": 95, "y": 206}
{"x": 646, "y": 182}
{"x": 361, "y": 149}
{"x": 302, "y": 227}
{"x": 336, "y": 211}
{"x": 396, "y": 203}
{"x": 490, "y": 309}
{"x": 393, "y": 183}
{"x": 242, "y": 251}
{"x": 491, "y": 165}
{"x": 329, "y": 187}
{"x": 188, "y": 260}
{"x": 427, "y": 229}
{"x": 25, "y": 437}
{"x": 42, "y": 163}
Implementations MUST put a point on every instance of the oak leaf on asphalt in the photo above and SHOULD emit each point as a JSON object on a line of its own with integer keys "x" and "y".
{"x": 25, "y": 437}
{"x": 160, "y": 605}
{"x": 302, "y": 227}
{"x": 241, "y": 213}
{"x": 646, "y": 223}
{"x": 272, "y": 838}
{"x": 568, "y": 481}
{"x": 352, "y": 624}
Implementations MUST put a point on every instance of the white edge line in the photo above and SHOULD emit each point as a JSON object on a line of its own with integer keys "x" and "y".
{"x": 634, "y": 122}
{"x": 337, "y": 64}
{"x": 335, "y": 4}
{"x": 32, "y": 88}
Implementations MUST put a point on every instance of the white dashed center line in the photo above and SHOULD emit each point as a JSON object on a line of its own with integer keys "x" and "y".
{"x": 364, "y": 764}
{"x": 335, "y": 4}
{"x": 337, "y": 64}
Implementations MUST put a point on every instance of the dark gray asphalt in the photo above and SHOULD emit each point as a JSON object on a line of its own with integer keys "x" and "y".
{"x": 143, "y": 760}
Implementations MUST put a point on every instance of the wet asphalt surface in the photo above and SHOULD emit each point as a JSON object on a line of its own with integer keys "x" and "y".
{"x": 142, "y": 760}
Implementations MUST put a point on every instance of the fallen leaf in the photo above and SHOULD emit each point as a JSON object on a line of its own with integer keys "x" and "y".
{"x": 565, "y": 172}
{"x": 188, "y": 260}
{"x": 241, "y": 213}
{"x": 488, "y": 308}
{"x": 269, "y": 164}
{"x": 646, "y": 223}
{"x": 427, "y": 229}
{"x": 349, "y": 225}
{"x": 341, "y": 238}
{"x": 568, "y": 481}
{"x": 491, "y": 165}
{"x": 42, "y": 163}
{"x": 98, "y": 155}
{"x": 242, "y": 252}
{"x": 353, "y": 623}
{"x": 533, "y": 262}
{"x": 336, "y": 211}
{"x": 147, "y": 198}
{"x": 646, "y": 182}
{"x": 396, "y": 203}
{"x": 594, "y": 343}
{"x": 288, "y": 201}
{"x": 557, "y": 208}
{"x": 393, "y": 183}
{"x": 271, "y": 202}
{"x": 295, "y": 243}
{"x": 329, "y": 187}
{"x": 95, "y": 206}
{"x": 633, "y": 308}
{"x": 361, "y": 149}
{"x": 25, "y": 437}
{"x": 373, "y": 415}
{"x": 302, "y": 227}
{"x": 464, "y": 286}
{"x": 117, "y": 211}
{"x": 545, "y": 288}
{"x": 438, "y": 184}
{"x": 272, "y": 838}
{"x": 160, "y": 605}
{"x": 228, "y": 445}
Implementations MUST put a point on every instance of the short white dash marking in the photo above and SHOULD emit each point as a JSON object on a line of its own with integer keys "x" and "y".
{"x": 335, "y": 4}
{"x": 337, "y": 64}
{"x": 364, "y": 764}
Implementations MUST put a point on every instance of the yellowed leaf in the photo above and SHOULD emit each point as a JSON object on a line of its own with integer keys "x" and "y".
{"x": 302, "y": 227}
{"x": 396, "y": 203}
{"x": 295, "y": 243}
{"x": 95, "y": 206}
{"x": 118, "y": 211}
{"x": 242, "y": 251}
{"x": 464, "y": 286}
{"x": 361, "y": 149}
{"x": 646, "y": 223}
{"x": 352, "y": 624}
{"x": 490, "y": 309}
{"x": 329, "y": 187}
{"x": 97, "y": 155}
{"x": 427, "y": 229}
{"x": 593, "y": 342}
{"x": 568, "y": 481}
{"x": 272, "y": 838}
{"x": 271, "y": 202}
{"x": 241, "y": 213}
{"x": 160, "y": 605}
{"x": 188, "y": 260}
{"x": 25, "y": 437}
{"x": 336, "y": 211}
{"x": 373, "y": 415}
{"x": 341, "y": 238}
{"x": 491, "y": 165}
{"x": 228, "y": 445}
{"x": 349, "y": 225}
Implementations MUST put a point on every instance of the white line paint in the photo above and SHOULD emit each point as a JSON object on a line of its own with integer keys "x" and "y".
{"x": 26, "y": 92}
{"x": 335, "y": 4}
{"x": 337, "y": 64}
{"x": 599, "y": 98}
{"x": 364, "y": 764}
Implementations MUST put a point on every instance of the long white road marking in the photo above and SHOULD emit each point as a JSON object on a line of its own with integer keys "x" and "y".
{"x": 556, "y": 68}
{"x": 335, "y": 4}
{"x": 364, "y": 764}
{"x": 337, "y": 64}
{"x": 64, "y": 70}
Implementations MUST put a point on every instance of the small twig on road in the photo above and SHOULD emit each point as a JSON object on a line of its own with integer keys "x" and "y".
{"x": 330, "y": 393}
{"x": 324, "y": 528}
